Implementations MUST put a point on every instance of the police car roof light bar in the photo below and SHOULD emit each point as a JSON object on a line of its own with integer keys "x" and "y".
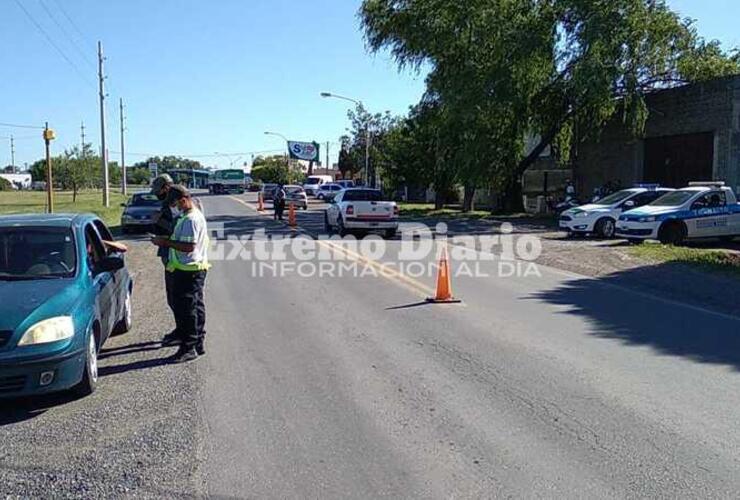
{"x": 652, "y": 187}
{"x": 707, "y": 184}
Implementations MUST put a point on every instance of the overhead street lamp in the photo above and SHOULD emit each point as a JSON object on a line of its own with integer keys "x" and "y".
{"x": 229, "y": 158}
{"x": 287, "y": 155}
{"x": 367, "y": 132}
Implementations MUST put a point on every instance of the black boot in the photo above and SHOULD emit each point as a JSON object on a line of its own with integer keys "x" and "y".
{"x": 172, "y": 339}
{"x": 184, "y": 354}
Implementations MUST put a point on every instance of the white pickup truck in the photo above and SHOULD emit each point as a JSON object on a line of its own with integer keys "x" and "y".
{"x": 361, "y": 209}
{"x": 702, "y": 210}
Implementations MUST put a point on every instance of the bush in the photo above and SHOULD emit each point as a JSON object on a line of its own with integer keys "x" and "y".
{"x": 5, "y": 184}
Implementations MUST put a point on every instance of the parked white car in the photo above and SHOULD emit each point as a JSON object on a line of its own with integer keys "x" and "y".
{"x": 297, "y": 196}
{"x": 600, "y": 218}
{"x": 361, "y": 209}
{"x": 702, "y": 210}
{"x": 327, "y": 192}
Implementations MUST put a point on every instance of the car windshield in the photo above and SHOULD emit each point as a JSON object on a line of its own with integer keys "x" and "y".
{"x": 615, "y": 198}
{"x": 144, "y": 200}
{"x": 313, "y": 180}
{"x": 33, "y": 253}
{"x": 673, "y": 199}
{"x": 293, "y": 189}
{"x": 363, "y": 195}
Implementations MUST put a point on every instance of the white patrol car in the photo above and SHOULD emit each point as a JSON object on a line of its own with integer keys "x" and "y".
{"x": 361, "y": 209}
{"x": 600, "y": 217}
{"x": 702, "y": 210}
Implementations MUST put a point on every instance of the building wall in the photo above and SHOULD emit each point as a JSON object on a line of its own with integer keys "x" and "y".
{"x": 713, "y": 106}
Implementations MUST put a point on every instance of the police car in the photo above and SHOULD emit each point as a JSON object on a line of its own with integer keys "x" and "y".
{"x": 702, "y": 210}
{"x": 600, "y": 217}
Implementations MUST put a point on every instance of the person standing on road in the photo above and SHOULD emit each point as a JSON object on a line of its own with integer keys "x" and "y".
{"x": 278, "y": 202}
{"x": 188, "y": 266}
{"x": 164, "y": 224}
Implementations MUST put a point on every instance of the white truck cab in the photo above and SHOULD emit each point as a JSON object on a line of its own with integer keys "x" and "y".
{"x": 314, "y": 182}
{"x": 702, "y": 210}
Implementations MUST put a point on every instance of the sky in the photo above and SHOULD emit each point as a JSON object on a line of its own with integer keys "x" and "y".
{"x": 203, "y": 77}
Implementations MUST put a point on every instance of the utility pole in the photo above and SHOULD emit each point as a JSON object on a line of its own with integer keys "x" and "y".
{"x": 103, "y": 148}
{"x": 12, "y": 153}
{"x": 328, "y": 167}
{"x": 124, "y": 184}
{"x": 48, "y": 137}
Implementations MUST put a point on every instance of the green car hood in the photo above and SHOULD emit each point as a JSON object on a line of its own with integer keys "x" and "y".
{"x": 41, "y": 299}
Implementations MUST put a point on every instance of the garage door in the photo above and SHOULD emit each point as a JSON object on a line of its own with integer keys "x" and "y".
{"x": 676, "y": 160}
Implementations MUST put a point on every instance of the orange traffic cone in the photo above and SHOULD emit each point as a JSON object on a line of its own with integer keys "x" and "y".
{"x": 260, "y": 202}
{"x": 444, "y": 285}
{"x": 291, "y": 216}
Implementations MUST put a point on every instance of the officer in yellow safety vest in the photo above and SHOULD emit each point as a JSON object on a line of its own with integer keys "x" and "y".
{"x": 188, "y": 263}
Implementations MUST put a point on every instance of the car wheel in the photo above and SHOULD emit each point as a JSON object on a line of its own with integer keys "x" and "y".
{"x": 672, "y": 233}
{"x": 89, "y": 381}
{"x": 605, "y": 228}
{"x": 124, "y": 324}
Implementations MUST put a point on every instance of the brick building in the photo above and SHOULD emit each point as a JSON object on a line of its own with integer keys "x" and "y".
{"x": 692, "y": 134}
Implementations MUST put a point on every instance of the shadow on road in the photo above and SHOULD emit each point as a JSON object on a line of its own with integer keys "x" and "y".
{"x": 130, "y": 349}
{"x": 634, "y": 319}
{"x": 17, "y": 410}
{"x": 105, "y": 371}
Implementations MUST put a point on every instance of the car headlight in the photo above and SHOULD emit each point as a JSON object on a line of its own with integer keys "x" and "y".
{"x": 647, "y": 219}
{"x": 581, "y": 214}
{"x": 49, "y": 330}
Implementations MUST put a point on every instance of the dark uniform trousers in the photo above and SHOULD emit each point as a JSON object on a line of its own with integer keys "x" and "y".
{"x": 189, "y": 306}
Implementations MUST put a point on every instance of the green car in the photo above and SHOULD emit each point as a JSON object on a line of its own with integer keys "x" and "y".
{"x": 64, "y": 289}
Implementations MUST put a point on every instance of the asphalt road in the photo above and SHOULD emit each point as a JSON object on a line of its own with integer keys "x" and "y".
{"x": 549, "y": 386}
{"x": 555, "y": 386}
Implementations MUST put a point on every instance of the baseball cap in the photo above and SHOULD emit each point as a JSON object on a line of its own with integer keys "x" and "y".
{"x": 160, "y": 182}
{"x": 177, "y": 192}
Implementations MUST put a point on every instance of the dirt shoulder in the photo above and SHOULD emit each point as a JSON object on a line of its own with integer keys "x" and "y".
{"x": 139, "y": 434}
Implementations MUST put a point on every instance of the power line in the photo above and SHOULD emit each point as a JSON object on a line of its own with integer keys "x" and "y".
{"x": 51, "y": 42}
{"x": 200, "y": 155}
{"x": 14, "y": 125}
{"x": 17, "y": 138}
{"x": 64, "y": 31}
{"x": 74, "y": 25}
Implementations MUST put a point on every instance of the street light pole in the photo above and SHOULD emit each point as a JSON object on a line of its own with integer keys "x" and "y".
{"x": 367, "y": 132}
{"x": 287, "y": 154}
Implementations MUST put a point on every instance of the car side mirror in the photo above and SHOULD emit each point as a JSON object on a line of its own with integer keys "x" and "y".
{"x": 109, "y": 264}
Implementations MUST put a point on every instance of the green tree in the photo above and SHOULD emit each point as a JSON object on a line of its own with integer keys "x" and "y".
{"x": 167, "y": 163}
{"x": 138, "y": 175}
{"x": 346, "y": 162}
{"x": 273, "y": 169}
{"x": 503, "y": 68}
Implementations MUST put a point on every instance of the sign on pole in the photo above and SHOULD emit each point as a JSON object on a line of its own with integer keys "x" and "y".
{"x": 153, "y": 169}
{"x": 307, "y": 151}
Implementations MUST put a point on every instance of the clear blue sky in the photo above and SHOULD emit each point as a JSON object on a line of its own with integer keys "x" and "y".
{"x": 200, "y": 77}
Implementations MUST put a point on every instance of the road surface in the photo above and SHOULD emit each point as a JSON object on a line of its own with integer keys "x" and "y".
{"x": 549, "y": 386}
